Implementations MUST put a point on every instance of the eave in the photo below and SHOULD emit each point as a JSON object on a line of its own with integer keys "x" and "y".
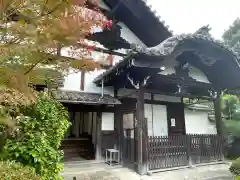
{"x": 136, "y": 14}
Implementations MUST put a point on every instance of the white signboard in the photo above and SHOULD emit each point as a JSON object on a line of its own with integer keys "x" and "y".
{"x": 173, "y": 122}
{"x": 128, "y": 122}
{"x": 107, "y": 121}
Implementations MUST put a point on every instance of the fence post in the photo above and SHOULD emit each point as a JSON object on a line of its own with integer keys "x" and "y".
{"x": 222, "y": 140}
{"x": 188, "y": 139}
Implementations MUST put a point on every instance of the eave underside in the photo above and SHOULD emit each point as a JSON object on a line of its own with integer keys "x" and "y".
{"x": 159, "y": 84}
{"x": 135, "y": 14}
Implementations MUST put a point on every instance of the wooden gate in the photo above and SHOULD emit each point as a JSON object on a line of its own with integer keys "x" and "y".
{"x": 175, "y": 151}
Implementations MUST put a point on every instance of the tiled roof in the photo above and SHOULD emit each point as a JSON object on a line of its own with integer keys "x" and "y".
{"x": 172, "y": 46}
{"x": 84, "y": 98}
{"x": 168, "y": 46}
{"x": 154, "y": 12}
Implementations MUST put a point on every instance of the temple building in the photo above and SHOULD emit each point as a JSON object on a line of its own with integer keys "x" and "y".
{"x": 136, "y": 105}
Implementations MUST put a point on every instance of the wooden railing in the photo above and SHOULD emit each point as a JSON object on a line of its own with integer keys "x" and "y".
{"x": 174, "y": 151}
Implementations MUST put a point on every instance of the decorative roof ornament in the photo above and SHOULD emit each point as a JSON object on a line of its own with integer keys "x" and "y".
{"x": 204, "y": 31}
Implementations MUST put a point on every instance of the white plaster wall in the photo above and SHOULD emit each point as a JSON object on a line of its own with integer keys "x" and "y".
{"x": 157, "y": 119}
{"x": 127, "y": 34}
{"x": 198, "y": 75}
{"x": 197, "y": 122}
{"x": 72, "y": 83}
{"x": 159, "y": 97}
{"x": 193, "y": 72}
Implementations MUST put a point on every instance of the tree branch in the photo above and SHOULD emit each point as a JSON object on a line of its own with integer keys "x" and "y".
{"x": 53, "y": 9}
{"x": 44, "y": 7}
{"x": 33, "y": 66}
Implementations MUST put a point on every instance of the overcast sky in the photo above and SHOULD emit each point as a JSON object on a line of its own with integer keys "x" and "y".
{"x": 186, "y": 16}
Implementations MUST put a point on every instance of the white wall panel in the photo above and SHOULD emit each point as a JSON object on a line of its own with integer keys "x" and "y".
{"x": 128, "y": 35}
{"x": 159, "y": 97}
{"x": 197, "y": 122}
{"x": 157, "y": 119}
{"x": 107, "y": 121}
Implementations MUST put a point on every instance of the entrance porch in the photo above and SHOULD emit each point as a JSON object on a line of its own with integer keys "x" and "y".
{"x": 182, "y": 66}
{"x": 85, "y": 139}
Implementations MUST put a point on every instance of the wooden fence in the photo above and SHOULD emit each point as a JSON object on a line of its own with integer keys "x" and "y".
{"x": 174, "y": 151}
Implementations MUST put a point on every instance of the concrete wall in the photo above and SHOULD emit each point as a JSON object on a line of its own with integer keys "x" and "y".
{"x": 197, "y": 122}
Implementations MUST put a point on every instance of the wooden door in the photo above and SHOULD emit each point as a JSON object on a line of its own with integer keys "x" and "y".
{"x": 176, "y": 120}
{"x": 129, "y": 146}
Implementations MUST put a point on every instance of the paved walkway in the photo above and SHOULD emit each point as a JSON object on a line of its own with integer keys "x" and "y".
{"x": 210, "y": 172}
{"x": 102, "y": 171}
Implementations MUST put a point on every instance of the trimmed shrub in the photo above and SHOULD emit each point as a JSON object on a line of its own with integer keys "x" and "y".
{"x": 235, "y": 167}
{"x": 38, "y": 137}
{"x": 16, "y": 171}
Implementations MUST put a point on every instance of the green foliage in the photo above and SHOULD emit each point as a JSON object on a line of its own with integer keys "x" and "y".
{"x": 15, "y": 171}
{"x": 232, "y": 35}
{"x": 32, "y": 34}
{"x": 232, "y": 127}
{"x": 235, "y": 167}
{"x": 40, "y": 132}
{"x": 229, "y": 104}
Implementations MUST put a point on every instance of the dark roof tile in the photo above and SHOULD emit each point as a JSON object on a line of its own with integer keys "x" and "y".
{"x": 84, "y": 98}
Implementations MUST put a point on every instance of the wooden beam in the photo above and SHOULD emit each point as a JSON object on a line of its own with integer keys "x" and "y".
{"x": 82, "y": 83}
{"x": 218, "y": 114}
{"x": 107, "y": 51}
{"x": 98, "y": 155}
{"x": 156, "y": 91}
{"x": 145, "y": 144}
{"x": 170, "y": 79}
{"x": 141, "y": 132}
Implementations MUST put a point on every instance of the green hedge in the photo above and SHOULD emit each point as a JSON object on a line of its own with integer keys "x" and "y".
{"x": 16, "y": 171}
{"x": 235, "y": 167}
{"x": 38, "y": 137}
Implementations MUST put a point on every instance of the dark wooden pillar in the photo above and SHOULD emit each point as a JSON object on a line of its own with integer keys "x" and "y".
{"x": 99, "y": 136}
{"x": 142, "y": 134}
{"x": 218, "y": 114}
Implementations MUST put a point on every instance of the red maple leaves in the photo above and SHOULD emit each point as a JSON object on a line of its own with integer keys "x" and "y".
{"x": 90, "y": 48}
{"x": 108, "y": 24}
